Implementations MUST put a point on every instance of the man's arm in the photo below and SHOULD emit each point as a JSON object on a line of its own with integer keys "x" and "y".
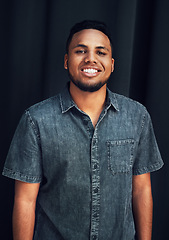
{"x": 142, "y": 206}
{"x": 24, "y": 210}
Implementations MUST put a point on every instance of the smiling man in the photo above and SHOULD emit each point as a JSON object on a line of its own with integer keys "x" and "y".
{"x": 82, "y": 160}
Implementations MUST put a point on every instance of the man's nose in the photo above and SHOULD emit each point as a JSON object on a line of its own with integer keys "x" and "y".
{"x": 91, "y": 57}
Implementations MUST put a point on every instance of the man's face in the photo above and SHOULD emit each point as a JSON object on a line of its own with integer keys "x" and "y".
{"x": 89, "y": 60}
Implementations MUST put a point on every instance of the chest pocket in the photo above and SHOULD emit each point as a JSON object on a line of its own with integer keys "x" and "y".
{"x": 120, "y": 155}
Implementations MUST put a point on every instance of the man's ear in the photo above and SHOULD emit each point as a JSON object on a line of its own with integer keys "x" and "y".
{"x": 112, "y": 68}
{"x": 66, "y": 61}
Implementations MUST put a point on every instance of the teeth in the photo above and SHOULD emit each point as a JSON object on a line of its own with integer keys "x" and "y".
{"x": 90, "y": 70}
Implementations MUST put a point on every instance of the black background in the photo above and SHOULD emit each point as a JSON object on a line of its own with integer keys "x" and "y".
{"x": 32, "y": 47}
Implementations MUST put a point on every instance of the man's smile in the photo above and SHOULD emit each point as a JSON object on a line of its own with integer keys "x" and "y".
{"x": 90, "y": 71}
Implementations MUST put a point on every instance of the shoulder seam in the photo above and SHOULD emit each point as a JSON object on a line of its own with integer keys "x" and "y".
{"x": 32, "y": 123}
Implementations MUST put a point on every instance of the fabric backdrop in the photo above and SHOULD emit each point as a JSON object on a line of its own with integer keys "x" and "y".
{"x": 32, "y": 47}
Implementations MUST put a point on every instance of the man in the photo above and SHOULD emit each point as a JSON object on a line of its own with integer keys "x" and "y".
{"x": 82, "y": 159}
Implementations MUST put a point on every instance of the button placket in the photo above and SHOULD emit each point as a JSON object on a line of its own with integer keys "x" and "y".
{"x": 95, "y": 177}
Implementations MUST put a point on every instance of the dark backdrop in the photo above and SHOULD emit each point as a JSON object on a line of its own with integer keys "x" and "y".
{"x": 32, "y": 46}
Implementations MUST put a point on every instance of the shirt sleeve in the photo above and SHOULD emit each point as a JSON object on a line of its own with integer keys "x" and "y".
{"x": 148, "y": 157}
{"x": 23, "y": 161}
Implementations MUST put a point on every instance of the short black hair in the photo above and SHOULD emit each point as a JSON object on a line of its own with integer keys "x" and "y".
{"x": 88, "y": 24}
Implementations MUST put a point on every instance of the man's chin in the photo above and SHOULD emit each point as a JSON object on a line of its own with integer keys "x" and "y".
{"x": 88, "y": 87}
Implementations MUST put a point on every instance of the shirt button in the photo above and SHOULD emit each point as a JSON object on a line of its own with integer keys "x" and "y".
{"x": 96, "y": 190}
{"x": 95, "y": 166}
{"x": 95, "y": 215}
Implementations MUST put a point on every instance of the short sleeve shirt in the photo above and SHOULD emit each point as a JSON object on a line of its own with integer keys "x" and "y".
{"x": 85, "y": 172}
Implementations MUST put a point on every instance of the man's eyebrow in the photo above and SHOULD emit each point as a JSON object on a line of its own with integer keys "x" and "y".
{"x": 98, "y": 47}
{"x": 102, "y": 47}
{"x": 80, "y": 45}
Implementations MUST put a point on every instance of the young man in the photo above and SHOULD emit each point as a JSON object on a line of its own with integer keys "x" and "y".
{"x": 82, "y": 159}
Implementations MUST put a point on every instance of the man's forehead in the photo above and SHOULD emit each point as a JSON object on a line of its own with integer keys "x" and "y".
{"x": 90, "y": 36}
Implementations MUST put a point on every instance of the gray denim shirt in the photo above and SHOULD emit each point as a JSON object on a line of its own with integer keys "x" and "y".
{"x": 85, "y": 172}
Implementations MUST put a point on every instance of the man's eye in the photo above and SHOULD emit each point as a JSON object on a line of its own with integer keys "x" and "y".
{"x": 101, "y": 53}
{"x": 80, "y": 51}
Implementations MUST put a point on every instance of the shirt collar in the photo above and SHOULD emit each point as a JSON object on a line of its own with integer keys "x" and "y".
{"x": 112, "y": 100}
{"x": 67, "y": 102}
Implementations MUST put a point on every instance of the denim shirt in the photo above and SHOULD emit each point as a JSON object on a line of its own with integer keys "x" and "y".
{"x": 85, "y": 172}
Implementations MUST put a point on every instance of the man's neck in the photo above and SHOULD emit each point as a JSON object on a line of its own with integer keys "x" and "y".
{"x": 92, "y": 103}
